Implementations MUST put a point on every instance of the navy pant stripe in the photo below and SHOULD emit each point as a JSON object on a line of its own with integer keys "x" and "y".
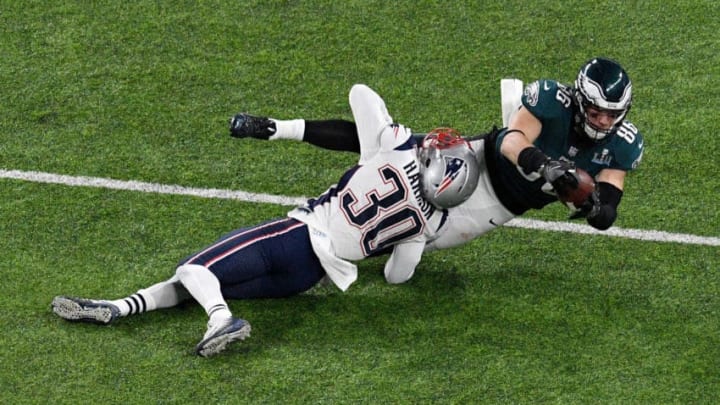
{"x": 230, "y": 244}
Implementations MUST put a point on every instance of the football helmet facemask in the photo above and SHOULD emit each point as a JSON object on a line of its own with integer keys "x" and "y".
{"x": 448, "y": 168}
{"x": 605, "y": 86}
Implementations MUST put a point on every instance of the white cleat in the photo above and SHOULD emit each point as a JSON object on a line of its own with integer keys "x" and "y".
{"x": 219, "y": 336}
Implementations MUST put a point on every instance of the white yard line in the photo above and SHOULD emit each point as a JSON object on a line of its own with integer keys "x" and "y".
{"x": 82, "y": 181}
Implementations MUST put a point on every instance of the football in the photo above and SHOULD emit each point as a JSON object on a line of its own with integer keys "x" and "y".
{"x": 576, "y": 197}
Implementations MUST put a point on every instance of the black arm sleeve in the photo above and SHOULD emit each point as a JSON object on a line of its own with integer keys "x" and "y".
{"x": 338, "y": 135}
{"x": 603, "y": 217}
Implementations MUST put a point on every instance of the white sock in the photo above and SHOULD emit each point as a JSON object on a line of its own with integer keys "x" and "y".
{"x": 288, "y": 129}
{"x": 164, "y": 294}
{"x": 202, "y": 284}
{"x": 122, "y": 305}
{"x": 219, "y": 315}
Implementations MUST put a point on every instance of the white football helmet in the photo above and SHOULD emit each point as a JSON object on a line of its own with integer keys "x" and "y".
{"x": 449, "y": 170}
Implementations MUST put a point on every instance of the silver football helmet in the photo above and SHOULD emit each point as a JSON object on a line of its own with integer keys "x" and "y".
{"x": 604, "y": 85}
{"x": 449, "y": 170}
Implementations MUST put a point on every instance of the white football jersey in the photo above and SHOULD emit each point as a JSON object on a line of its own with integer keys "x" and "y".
{"x": 376, "y": 206}
{"x": 479, "y": 214}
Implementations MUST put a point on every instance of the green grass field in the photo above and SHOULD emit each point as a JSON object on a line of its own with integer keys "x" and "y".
{"x": 142, "y": 91}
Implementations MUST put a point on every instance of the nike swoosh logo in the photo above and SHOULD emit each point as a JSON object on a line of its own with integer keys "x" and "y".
{"x": 545, "y": 86}
{"x": 492, "y": 222}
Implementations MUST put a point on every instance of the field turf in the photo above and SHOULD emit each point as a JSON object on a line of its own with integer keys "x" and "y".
{"x": 142, "y": 91}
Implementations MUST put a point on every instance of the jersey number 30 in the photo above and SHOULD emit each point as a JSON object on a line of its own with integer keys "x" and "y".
{"x": 383, "y": 219}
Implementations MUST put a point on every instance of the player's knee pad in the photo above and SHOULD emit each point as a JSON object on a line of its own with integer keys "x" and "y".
{"x": 187, "y": 269}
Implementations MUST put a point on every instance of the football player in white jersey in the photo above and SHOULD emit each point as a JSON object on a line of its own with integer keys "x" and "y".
{"x": 394, "y": 201}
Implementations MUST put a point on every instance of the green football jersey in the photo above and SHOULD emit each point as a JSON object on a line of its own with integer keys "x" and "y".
{"x": 551, "y": 103}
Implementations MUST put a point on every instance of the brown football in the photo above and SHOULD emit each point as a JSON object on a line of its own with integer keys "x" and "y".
{"x": 578, "y": 196}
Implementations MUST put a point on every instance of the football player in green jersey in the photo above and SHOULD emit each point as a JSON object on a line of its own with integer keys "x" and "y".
{"x": 558, "y": 126}
{"x": 554, "y": 129}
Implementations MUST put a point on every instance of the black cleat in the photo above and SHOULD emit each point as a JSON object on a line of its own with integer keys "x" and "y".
{"x": 244, "y": 125}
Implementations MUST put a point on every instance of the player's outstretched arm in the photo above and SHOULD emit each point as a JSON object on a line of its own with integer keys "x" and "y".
{"x": 600, "y": 210}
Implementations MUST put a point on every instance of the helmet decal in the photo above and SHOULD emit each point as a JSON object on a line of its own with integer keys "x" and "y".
{"x": 453, "y": 165}
{"x": 602, "y": 96}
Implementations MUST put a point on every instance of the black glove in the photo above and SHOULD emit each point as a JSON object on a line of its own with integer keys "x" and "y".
{"x": 560, "y": 175}
{"x": 590, "y": 208}
{"x": 600, "y": 211}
